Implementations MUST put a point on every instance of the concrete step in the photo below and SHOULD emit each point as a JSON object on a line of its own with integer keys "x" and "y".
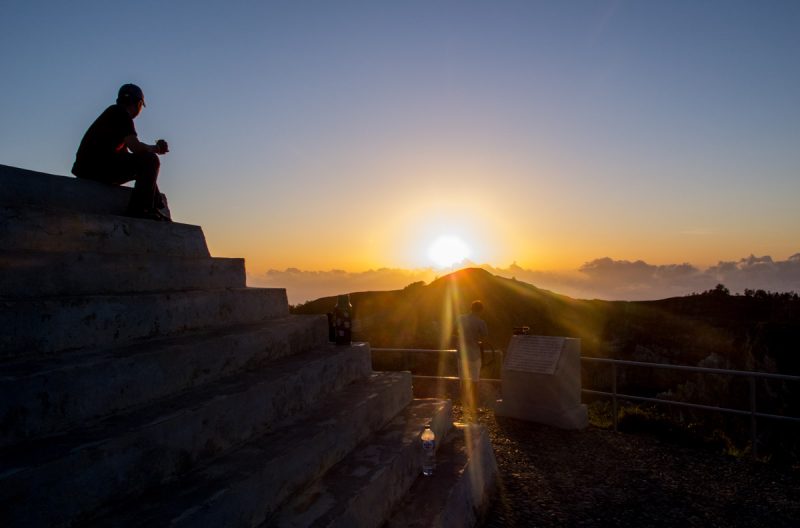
{"x": 489, "y": 390}
{"x": 55, "y": 481}
{"x": 458, "y": 492}
{"x": 363, "y": 489}
{"x": 44, "y": 396}
{"x": 245, "y": 486}
{"x": 37, "y": 327}
{"x": 42, "y": 274}
{"x": 27, "y": 187}
{"x": 34, "y": 229}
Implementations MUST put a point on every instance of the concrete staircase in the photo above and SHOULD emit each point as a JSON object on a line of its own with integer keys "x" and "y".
{"x": 143, "y": 384}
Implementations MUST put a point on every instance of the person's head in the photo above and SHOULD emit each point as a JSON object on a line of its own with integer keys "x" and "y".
{"x": 477, "y": 307}
{"x": 132, "y": 98}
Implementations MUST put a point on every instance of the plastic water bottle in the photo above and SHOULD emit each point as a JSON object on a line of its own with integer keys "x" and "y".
{"x": 428, "y": 451}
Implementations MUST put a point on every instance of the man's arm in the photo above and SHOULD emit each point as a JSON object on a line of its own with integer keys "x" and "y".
{"x": 134, "y": 145}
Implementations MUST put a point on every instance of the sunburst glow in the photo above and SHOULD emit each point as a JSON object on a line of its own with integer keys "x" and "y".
{"x": 448, "y": 250}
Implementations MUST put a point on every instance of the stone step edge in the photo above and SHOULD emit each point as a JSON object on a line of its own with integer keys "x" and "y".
{"x": 37, "y": 274}
{"x": 365, "y": 486}
{"x": 35, "y": 228}
{"x": 121, "y": 297}
{"x": 459, "y": 491}
{"x": 46, "y": 326}
{"x": 40, "y": 451}
{"x": 103, "y": 216}
{"x": 24, "y": 367}
{"x": 53, "y": 394}
{"x": 25, "y": 186}
{"x": 123, "y": 455}
{"x": 243, "y": 487}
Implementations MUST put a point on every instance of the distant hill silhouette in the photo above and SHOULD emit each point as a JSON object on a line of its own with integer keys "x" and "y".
{"x": 757, "y": 331}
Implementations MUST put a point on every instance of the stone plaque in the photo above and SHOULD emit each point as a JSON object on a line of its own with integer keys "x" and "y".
{"x": 534, "y": 354}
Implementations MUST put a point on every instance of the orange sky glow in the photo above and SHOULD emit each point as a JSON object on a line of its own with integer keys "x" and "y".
{"x": 351, "y": 136}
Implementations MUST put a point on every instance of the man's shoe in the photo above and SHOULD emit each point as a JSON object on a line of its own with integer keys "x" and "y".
{"x": 162, "y": 217}
{"x": 149, "y": 214}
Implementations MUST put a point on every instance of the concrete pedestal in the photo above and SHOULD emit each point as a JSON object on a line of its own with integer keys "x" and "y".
{"x": 541, "y": 382}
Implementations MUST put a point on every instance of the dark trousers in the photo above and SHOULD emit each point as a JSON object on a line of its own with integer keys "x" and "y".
{"x": 141, "y": 167}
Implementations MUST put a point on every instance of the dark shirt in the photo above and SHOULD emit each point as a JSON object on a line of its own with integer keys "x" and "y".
{"x": 103, "y": 142}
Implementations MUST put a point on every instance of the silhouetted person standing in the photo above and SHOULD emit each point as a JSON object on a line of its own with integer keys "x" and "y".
{"x": 471, "y": 330}
{"x": 111, "y": 152}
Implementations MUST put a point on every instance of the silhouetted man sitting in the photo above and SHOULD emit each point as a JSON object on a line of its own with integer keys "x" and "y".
{"x": 110, "y": 152}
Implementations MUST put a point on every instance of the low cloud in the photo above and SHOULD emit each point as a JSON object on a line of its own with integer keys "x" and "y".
{"x": 610, "y": 279}
{"x": 303, "y": 286}
{"x": 759, "y": 273}
{"x": 622, "y": 279}
{"x": 602, "y": 278}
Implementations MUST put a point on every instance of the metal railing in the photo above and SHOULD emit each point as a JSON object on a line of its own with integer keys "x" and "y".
{"x": 752, "y": 376}
{"x": 753, "y": 412}
{"x": 406, "y": 352}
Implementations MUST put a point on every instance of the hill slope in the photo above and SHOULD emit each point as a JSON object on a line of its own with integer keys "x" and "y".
{"x": 758, "y": 331}
{"x": 754, "y": 332}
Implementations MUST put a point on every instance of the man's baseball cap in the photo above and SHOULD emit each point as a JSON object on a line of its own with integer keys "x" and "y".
{"x": 130, "y": 92}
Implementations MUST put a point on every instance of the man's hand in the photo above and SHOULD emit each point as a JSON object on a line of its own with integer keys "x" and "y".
{"x": 134, "y": 145}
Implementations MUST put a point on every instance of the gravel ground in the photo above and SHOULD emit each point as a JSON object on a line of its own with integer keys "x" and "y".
{"x": 595, "y": 477}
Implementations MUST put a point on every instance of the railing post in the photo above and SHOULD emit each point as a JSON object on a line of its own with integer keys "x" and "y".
{"x": 753, "y": 430}
{"x": 614, "y": 391}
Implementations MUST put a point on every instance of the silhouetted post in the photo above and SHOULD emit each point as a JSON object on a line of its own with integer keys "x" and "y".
{"x": 753, "y": 430}
{"x": 614, "y": 391}
{"x": 331, "y": 328}
{"x": 343, "y": 320}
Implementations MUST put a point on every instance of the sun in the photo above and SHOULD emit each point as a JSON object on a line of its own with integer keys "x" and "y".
{"x": 448, "y": 250}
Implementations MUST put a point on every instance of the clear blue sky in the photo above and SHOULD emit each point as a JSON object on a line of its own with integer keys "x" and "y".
{"x": 550, "y": 133}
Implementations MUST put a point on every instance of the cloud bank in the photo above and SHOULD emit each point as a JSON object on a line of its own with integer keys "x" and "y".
{"x": 602, "y": 278}
{"x": 303, "y": 285}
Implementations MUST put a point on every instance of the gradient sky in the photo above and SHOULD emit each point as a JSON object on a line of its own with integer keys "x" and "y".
{"x": 350, "y": 135}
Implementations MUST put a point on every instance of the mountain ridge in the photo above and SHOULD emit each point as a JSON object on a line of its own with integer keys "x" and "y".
{"x": 747, "y": 332}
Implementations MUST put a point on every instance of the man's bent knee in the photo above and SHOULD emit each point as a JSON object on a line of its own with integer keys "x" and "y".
{"x": 147, "y": 159}
{"x": 147, "y": 164}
